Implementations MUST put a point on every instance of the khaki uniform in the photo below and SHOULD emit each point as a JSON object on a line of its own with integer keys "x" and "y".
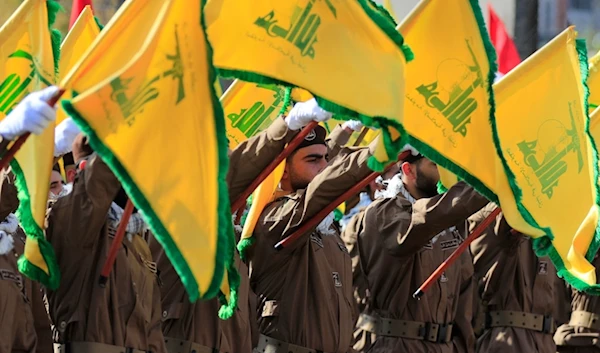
{"x": 582, "y": 333}
{"x": 515, "y": 286}
{"x": 199, "y": 322}
{"x": 305, "y": 290}
{"x": 127, "y": 312}
{"x": 362, "y": 339}
{"x": 24, "y": 323}
{"x": 400, "y": 245}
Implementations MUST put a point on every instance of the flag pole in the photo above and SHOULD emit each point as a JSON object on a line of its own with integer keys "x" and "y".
{"x": 296, "y": 141}
{"x": 456, "y": 253}
{"x": 361, "y": 137}
{"x": 116, "y": 244}
{"x": 14, "y": 148}
{"x": 313, "y": 222}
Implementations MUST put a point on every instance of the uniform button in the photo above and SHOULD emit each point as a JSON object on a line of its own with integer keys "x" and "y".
{"x": 165, "y": 314}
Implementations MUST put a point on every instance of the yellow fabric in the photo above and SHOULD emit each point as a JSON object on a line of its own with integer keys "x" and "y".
{"x": 594, "y": 82}
{"x": 313, "y": 45}
{"x": 146, "y": 99}
{"x": 541, "y": 120}
{"x": 250, "y": 108}
{"x": 447, "y": 178}
{"x": 260, "y": 198}
{"x": 76, "y": 43}
{"x": 27, "y": 65}
{"x": 388, "y": 6}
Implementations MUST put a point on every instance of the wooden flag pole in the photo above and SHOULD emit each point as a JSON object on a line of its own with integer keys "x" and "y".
{"x": 296, "y": 141}
{"x": 456, "y": 254}
{"x": 116, "y": 244}
{"x": 361, "y": 137}
{"x": 10, "y": 154}
{"x": 313, "y": 222}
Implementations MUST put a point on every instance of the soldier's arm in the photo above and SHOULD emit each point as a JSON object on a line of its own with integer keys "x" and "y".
{"x": 337, "y": 139}
{"x": 340, "y": 175}
{"x": 82, "y": 213}
{"x": 408, "y": 227}
{"x": 504, "y": 237}
{"x": 250, "y": 157}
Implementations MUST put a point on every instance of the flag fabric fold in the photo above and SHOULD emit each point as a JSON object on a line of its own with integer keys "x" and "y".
{"x": 449, "y": 99}
{"x": 313, "y": 44}
{"x": 542, "y": 135}
{"x": 29, "y": 51}
{"x": 149, "y": 82}
{"x": 82, "y": 34}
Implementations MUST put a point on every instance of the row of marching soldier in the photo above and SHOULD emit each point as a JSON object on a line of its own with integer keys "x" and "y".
{"x": 340, "y": 287}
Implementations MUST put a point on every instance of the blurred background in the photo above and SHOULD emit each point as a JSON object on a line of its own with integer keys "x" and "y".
{"x": 531, "y": 23}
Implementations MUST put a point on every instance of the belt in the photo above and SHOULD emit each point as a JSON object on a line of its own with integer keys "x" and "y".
{"x": 585, "y": 319}
{"x": 175, "y": 345}
{"x": 528, "y": 321}
{"x": 268, "y": 344}
{"x": 425, "y": 331}
{"x": 93, "y": 347}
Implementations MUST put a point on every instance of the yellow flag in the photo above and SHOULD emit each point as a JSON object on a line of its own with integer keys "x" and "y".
{"x": 542, "y": 134}
{"x": 147, "y": 102}
{"x": 593, "y": 82}
{"x": 76, "y": 43}
{"x": 27, "y": 64}
{"x": 449, "y": 99}
{"x": 250, "y": 108}
{"x": 315, "y": 45}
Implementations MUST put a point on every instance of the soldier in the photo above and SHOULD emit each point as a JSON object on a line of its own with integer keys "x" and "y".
{"x": 402, "y": 239}
{"x": 125, "y": 314}
{"x": 304, "y": 291}
{"x": 24, "y": 323}
{"x": 196, "y": 327}
{"x": 582, "y": 332}
{"x": 350, "y": 230}
{"x": 516, "y": 289}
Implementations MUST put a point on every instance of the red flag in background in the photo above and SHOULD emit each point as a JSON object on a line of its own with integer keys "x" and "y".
{"x": 78, "y": 6}
{"x": 508, "y": 56}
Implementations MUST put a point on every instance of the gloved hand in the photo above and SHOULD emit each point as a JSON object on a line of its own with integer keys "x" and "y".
{"x": 32, "y": 114}
{"x": 410, "y": 148}
{"x": 304, "y": 112}
{"x": 64, "y": 135}
{"x": 353, "y": 125}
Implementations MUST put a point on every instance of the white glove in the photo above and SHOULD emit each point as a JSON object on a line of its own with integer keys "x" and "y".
{"x": 64, "y": 135}
{"x": 32, "y": 114}
{"x": 354, "y": 125}
{"x": 304, "y": 112}
{"x": 410, "y": 148}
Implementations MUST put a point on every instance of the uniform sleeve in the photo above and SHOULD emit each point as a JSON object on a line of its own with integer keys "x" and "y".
{"x": 504, "y": 239}
{"x": 408, "y": 227}
{"x": 250, "y": 157}
{"x": 336, "y": 140}
{"x": 77, "y": 219}
{"x": 465, "y": 336}
{"x": 340, "y": 175}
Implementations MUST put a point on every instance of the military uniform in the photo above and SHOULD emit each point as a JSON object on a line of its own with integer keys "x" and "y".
{"x": 401, "y": 241}
{"x": 581, "y": 334}
{"x": 25, "y": 326}
{"x": 126, "y": 314}
{"x": 516, "y": 288}
{"x": 197, "y": 325}
{"x": 305, "y": 290}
